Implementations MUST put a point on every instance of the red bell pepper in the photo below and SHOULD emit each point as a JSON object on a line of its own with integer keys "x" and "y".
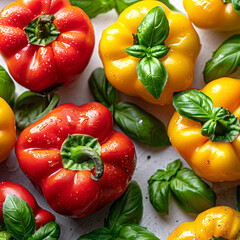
{"x": 76, "y": 158}
{"x": 42, "y": 216}
{"x": 45, "y": 43}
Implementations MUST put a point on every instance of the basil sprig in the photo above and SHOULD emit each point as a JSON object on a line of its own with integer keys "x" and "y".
{"x": 133, "y": 120}
{"x": 123, "y": 217}
{"x": 32, "y": 106}
{"x": 95, "y": 7}
{"x": 218, "y": 124}
{"x": 151, "y": 34}
{"x": 7, "y": 87}
{"x": 235, "y": 4}
{"x": 20, "y": 223}
{"x": 191, "y": 193}
{"x": 225, "y": 60}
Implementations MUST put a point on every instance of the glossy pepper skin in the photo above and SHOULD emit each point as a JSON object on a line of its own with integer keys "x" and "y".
{"x": 213, "y": 161}
{"x": 37, "y": 67}
{"x": 212, "y": 14}
{"x": 120, "y": 68}
{"x": 7, "y": 130}
{"x": 71, "y": 192}
{"x": 42, "y": 216}
{"x": 218, "y": 222}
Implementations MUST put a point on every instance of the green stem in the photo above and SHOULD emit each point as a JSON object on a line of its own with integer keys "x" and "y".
{"x": 82, "y": 152}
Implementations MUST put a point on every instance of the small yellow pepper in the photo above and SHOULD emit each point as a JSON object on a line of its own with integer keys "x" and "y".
{"x": 218, "y": 222}
{"x": 7, "y": 130}
{"x": 120, "y": 67}
{"x": 213, "y": 161}
{"x": 212, "y": 14}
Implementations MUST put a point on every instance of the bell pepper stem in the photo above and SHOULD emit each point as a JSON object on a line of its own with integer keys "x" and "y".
{"x": 82, "y": 152}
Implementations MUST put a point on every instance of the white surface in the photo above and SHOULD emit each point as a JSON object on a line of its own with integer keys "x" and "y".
{"x": 78, "y": 93}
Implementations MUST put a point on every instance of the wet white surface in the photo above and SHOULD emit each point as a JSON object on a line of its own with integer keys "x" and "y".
{"x": 149, "y": 160}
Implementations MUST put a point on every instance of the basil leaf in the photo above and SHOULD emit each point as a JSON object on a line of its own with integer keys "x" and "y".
{"x": 159, "y": 193}
{"x": 121, "y": 5}
{"x": 100, "y": 234}
{"x": 18, "y": 217}
{"x": 159, "y": 51}
{"x": 138, "y": 51}
{"x": 153, "y": 75}
{"x": 159, "y": 175}
{"x": 209, "y": 128}
{"x": 225, "y": 60}
{"x": 227, "y": 1}
{"x": 5, "y": 236}
{"x": 127, "y": 209}
{"x": 141, "y": 125}
{"x": 50, "y": 231}
{"x": 174, "y": 166}
{"x": 236, "y": 5}
{"x": 94, "y": 7}
{"x": 238, "y": 198}
{"x": 194, "y": 105}
{"x": 32, "y": 106}
{"x": 191, "y": 193}
{"x": 169, "y": 5}
{"x": 154, "y": 28}
{"x": 132, "y": 232}
{"x": 227, "y": 126}
{"x": 7, "y": 87}
{"x": 101, "y": 88}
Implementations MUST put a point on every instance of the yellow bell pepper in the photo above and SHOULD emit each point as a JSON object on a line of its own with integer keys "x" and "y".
{"x": 120, "y": 67}
{"x": 218, "y": 222}
{"x": 212, "y": 14}
{"x": 213, "y": 161}
{"x": 7, "y": 130}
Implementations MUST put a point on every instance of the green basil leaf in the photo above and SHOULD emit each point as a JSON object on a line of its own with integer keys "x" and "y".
{"x": 153, "y": 75}
{"x": 169, "y": 5}
{"x": 127, "y": 209}
{"x": 209, "y": 128}
{"x": 159, "y": 51}
{"x": 50, "y": 231}
{"x": 154, "y": 28}
{"x": 191, "y": 193}
{"x": 121, "y": 5}
{"x": 99, "y": 234}
{"x": 18, "y": 217}
{"x": 194, "y": 105}
{"x": 5, "y": 236}
{"x": 227, "y": 126}
{"x": 227, "y": 1}
{"x": 94, "y": 7}
{"x": 236, "y": 5}
{"x": 134, "y": 232}
{"x": 138, "y": 51}
{"x": 159, "y": 194}
{"x": 174, "y": 166}
{"x": 159, "y": 175}
{"x": 141, "y": 125}
{"x": 7, "y": 87}
{"x": 101, "y": 88}
{"x": 225, "y": 60}
{"x": 32, "y": 106}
